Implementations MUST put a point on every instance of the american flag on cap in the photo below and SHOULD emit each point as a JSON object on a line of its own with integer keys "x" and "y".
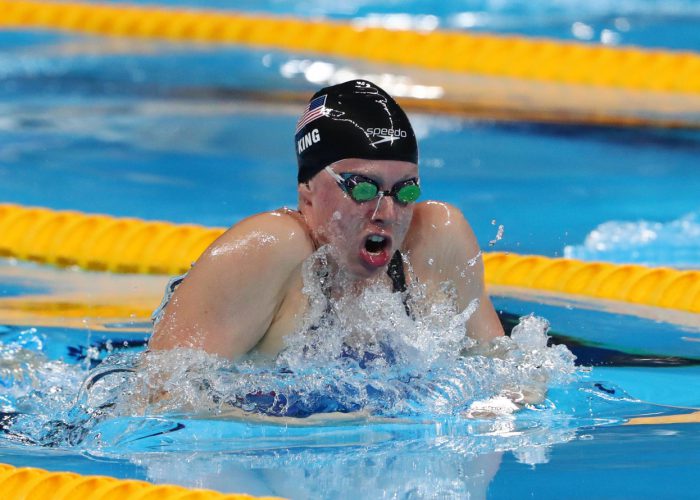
{"x": 315, "y": 109}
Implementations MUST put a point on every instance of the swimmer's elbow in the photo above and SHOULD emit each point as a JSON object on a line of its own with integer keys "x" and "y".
{"x": 167, "y": 336}
{"x": 211, "y": 329}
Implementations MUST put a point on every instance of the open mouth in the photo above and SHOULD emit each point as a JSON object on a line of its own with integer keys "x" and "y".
{"x": 376, "y": 251}
{"x": 375, "y": 244}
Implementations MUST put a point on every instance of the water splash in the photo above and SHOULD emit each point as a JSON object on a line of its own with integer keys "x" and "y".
{"x": 36, "y": 390}
{"x": 499, "y": 234}
{"x": 358, "y": 351}
{"x": 675, "y": 243}
{"x": 368, "y": 351}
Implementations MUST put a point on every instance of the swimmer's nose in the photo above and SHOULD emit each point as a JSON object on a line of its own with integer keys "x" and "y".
{"x": 385, "y": 211}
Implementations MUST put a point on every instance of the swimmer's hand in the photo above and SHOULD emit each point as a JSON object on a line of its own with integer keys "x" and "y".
{"x": 506, "y": 403}
{"x": 491, "y": 408}
{"x": 531, "y": 392}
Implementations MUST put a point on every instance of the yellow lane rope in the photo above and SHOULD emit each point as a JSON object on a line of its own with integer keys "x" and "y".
{"x": 36, "y": 484}
{"x": 101, "y": 242}
{"x": 504, "y": 56}
{"x": 104, "y": 243}
{"x": 657, "y": 287}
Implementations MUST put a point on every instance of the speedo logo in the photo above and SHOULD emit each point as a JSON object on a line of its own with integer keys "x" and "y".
{"x": 308, "y": 139}
{"x": 385, "y": 134}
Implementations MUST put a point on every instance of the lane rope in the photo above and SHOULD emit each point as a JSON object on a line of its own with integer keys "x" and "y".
{"x": 101, "y": 242}
{"x": 36, "y": 484}
{"x": 455, "y": 51}
{"x": 128, "y": 245}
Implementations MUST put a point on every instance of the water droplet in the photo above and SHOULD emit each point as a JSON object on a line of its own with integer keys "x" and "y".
{"x": 499, "y": 236}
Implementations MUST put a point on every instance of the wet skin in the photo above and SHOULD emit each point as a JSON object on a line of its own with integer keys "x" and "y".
{"x": 244, "y": 294}
{"x": 334, "y": 218}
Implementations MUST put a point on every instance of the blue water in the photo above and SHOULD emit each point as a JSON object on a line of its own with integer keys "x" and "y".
{"x": 638, "y": 373}
{"x": 197, "y": 134}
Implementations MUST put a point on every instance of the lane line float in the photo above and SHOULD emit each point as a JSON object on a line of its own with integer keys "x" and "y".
{"x": 454, "y": 51}
{"x": 24, "y": 483}
{"x": 129, "y": 245}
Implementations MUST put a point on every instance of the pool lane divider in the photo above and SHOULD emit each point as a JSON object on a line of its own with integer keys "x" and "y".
{"x": 101, "y": 242}
{"x": 36, "y": 484}
{"x": 129, "y": 245}
{"x": 455, "y": 51}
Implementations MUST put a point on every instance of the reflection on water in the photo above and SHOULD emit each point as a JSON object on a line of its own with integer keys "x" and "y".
{"x": 407, "y": 469}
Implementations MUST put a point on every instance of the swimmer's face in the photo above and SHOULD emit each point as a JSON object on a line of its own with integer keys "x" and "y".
{"x": 363, "y": 236}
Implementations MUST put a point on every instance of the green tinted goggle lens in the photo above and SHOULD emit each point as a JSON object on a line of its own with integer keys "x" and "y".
{"x": 408, "y": 193}
{"x": 362, "y": 189}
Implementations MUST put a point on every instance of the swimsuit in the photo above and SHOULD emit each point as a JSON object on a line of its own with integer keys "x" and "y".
{"x": 170, "y": 288}
{"x": 398, "y": 278}
{"x": 332, "y": 399}
{"x": 292, "y": 403}
{"x": 396, "y": 273}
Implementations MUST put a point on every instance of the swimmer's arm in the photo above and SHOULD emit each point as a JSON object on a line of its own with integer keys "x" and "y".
{"x": 229, "y": 298}
{"x": 449, "y": 252}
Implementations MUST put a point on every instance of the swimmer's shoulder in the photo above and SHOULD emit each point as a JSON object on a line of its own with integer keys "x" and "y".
{"x": 441, "y": 227}
{"x": 229, "y": 299}
{"x": 278, "y": 236}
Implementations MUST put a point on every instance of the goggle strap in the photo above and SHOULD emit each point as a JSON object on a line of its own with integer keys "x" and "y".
{"x": 337, "y": 178}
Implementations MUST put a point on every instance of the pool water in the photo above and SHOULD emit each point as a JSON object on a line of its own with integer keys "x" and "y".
{"x": 642, "y": 367}
{"x": 194, "y": 133}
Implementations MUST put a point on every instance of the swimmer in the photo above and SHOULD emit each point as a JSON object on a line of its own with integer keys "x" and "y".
{"x": 358, "y": 190}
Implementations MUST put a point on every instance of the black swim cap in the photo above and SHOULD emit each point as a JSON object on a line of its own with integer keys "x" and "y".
{"x": 355, "y": 119}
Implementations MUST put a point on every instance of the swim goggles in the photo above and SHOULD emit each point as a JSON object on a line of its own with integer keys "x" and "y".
{"x": 361, "y": 188}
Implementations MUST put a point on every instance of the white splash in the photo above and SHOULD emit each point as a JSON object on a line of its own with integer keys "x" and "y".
{"x": 360, "y": 351}
{"x": 499, "y": 234}
{"x": 675, "y": 243}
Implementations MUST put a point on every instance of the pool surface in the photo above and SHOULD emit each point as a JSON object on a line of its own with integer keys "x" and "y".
{"x": 197, "y": 133}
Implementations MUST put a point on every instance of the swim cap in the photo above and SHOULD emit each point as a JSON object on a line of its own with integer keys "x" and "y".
{"x": 355, "y": 119}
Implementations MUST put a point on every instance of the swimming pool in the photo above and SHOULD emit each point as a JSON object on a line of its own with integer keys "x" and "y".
{"x": 117, "y": 127}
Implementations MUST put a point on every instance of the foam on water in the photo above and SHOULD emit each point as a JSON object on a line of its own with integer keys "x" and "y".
{"x": 675, "y": 243}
